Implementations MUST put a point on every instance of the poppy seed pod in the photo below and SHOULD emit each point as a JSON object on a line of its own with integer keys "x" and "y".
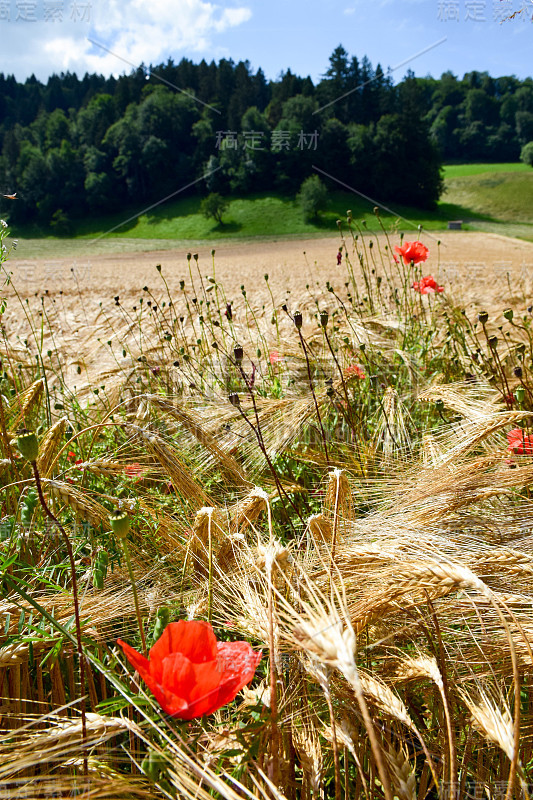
{"x": 324, "y": 317}
{"x": 520, "y": 394}
{"x": 28, "y": 444}
{"x": 238, "y": 353}
{"x": 98, "y": 578}
{"x": 483, "y": 317}
{"x": 120, "y": 524}
{"x": 508, "y": 314}
{"x": 298, "y": 319}
{"x": 493, "y": 342}
{"x": 162, "y": 620}
{"x": 234, "y": 399}
{"x": 517, "y": 372}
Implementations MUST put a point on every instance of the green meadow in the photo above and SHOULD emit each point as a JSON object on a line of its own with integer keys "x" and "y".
{"x": 496, "y": 198}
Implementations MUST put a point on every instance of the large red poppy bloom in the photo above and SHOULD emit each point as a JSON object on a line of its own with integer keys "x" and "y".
{"x": 427, "y": 285}
{"x": 190, "y": 673}
{"x": 414, "y": 252}
{"x": 519, "y": 442}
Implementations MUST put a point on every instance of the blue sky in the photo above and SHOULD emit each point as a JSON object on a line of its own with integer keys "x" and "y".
{"x": 47, "y": 36}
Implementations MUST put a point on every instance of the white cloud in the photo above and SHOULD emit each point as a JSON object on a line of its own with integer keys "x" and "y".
{"x": 349, "y": 11}
{"x": 139, "y": 31}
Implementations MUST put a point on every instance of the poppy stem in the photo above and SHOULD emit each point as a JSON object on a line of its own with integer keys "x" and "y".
{"x": 135, "y": 595}
{"x": 210, "y": 579}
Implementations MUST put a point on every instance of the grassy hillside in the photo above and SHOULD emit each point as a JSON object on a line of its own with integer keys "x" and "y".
{"x": 460, "y": 170}
{"x": 258, "y": 216}
{"x": 504, "y": 196}
{"x": 492, "y": 197}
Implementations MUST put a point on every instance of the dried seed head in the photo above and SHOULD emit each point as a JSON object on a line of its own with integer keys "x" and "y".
{"x": 29, "y": 400}
{"x": 206, "y": 537}
{"x": 249, "y": 510}
{"x": 338, "y": 498}
{"x": 49, "y": 445}
{"x": 238, "y": 353}
{"x": 271, "y": 556}
{"x": 495, "y": 723}
{"x": 320, "y": 528}
{"x": 328, "y": 639}
{"x": 230, "y": 547}
{"x": 80, "y": 502}
{"x": 422, "y": 667}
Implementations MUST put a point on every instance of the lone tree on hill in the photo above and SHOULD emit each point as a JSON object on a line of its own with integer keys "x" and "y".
{"x": 526, "y": 154}
{"x": 312, "y": 197}
{"x": 214, "y": 205}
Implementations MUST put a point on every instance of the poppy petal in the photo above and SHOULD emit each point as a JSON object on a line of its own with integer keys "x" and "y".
{"x": 238, "y": 663}
{"x": 137, "y": 660}
{"x": 204, "y": 697}
{"x": 190, "y": 690}
{"x": 194, "y": 639}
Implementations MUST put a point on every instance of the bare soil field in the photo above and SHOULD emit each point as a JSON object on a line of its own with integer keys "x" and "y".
{"x": 480, "y": 269}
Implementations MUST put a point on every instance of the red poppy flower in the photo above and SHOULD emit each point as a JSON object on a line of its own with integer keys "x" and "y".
{"x": 339, "y": 257}
{"x": 413, "y": 252}
{"x": 190, "y": 673}
{"x": 354, "y": 371}
{"x": 134, "y": 470}
{"x": 274, "y": 357}
{"x": 427, "y": 285}
{"x": 519, "y": 442}
{"x": 71, "y": 455}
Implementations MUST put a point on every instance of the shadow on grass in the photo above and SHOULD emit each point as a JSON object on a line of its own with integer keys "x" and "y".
{"x": 450, "y": 211}
{"x": 226, "y": 227}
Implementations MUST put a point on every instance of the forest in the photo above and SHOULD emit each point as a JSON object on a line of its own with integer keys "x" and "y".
{"x": 75, "y": 146}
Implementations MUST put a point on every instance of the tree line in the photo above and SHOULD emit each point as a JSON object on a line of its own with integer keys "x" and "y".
{"x": 75, "y": 145}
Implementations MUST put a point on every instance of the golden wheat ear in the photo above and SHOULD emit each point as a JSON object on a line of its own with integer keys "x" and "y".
{"x": 49, "y": 445}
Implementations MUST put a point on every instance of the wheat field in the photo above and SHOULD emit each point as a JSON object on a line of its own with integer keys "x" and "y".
{"x": 338, "y": 476}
